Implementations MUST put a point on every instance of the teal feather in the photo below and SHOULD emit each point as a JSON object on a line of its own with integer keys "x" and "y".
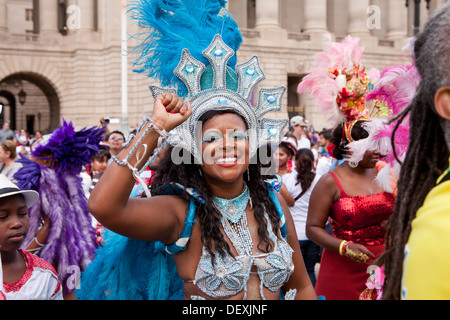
{"x": 169, "y": 26}
{"x": 128, "y": 269}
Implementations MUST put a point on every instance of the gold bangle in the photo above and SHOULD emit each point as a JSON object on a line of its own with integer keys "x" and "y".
{"x": 342, "y": 246}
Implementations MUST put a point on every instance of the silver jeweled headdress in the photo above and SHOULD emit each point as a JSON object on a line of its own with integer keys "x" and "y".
{"x": 218, "y": 87}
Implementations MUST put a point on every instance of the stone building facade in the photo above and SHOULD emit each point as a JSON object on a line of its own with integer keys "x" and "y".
{"x": 63, "y": 58}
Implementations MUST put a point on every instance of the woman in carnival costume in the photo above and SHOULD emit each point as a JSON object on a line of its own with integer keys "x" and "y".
{"x": 225, "y": 229}
{"x": 349, "y": 196}
{"x": 61, "y": 229}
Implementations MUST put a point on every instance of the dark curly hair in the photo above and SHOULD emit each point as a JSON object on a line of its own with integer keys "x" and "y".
{"x": 190, "y": 176}
{"x": 340, "y": 144}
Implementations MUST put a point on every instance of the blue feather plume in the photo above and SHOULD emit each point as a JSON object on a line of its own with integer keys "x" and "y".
{"x": 173, "y": 25}
{"x": 129, "y": 269}
{"x": 71, "y": 149}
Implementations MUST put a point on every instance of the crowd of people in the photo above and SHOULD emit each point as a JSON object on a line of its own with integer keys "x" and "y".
{"x": 353, "y": 211}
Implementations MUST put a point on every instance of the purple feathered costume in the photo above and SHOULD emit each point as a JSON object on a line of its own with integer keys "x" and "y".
{"x": 72, "y": 238}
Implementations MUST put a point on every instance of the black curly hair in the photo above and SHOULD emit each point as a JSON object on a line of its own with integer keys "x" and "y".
{"x": 340, "y": 144}
{"x": 190, "y": 176}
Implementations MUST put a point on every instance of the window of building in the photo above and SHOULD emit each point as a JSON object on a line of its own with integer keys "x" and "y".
{"x": 29, "y": 14}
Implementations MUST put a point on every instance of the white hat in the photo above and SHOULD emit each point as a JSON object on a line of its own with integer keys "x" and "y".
{"x": 296, "y": 120}
{"x": 7, "y": 189}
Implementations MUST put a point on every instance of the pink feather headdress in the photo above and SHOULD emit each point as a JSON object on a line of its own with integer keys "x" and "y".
{"x": 339, "y": 82}
{"x": 395, "y": 90}
{"x": 344, "y": 93}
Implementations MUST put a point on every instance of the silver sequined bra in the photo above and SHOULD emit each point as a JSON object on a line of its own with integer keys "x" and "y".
{"x": 229, "y": 275}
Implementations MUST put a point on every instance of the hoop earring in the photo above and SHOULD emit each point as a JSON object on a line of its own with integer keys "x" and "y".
{"x": 248, "y": 174}
{"x": 353, "y": 164}
{"x": 200, "y": 171}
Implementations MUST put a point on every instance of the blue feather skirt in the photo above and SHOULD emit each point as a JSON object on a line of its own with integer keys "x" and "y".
{"x": 128, "y": 269}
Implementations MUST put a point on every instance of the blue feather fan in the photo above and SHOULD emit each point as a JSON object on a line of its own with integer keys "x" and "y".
{"x": 173, "y": 25}
{"x": 128, "y": 269}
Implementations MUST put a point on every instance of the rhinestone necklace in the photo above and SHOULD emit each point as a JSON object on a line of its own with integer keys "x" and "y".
{"x": 234, "y": 221}
{"x": 232, "y": 209}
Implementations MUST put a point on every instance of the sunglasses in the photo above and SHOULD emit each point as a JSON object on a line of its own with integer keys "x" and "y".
{"x": 116, "y": 138}
{"x": 303, "y": 127}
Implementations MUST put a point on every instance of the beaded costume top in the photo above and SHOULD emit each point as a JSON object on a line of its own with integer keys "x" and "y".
{"x": 229, "y": 276}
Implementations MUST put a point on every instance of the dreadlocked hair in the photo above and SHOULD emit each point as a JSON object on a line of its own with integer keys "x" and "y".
{"x": 427, "y": 154}
{"x": 304, "y": 164}
{"x": 190, "y": 176}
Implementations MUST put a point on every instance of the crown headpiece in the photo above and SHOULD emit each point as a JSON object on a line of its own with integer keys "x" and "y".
{"x": 219, "y": 87}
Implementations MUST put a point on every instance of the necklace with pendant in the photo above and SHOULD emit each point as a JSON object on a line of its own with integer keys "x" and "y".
{"x": 234, "y": 221}
{"x": 232, "y": 209}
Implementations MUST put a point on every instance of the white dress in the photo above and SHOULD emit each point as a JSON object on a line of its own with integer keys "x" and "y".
{"x": 299, "y": 211}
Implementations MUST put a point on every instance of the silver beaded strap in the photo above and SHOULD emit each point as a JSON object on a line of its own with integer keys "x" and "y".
{"x": 141, "y": 151}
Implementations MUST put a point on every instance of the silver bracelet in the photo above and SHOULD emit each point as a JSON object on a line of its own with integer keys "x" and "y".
{"x": 141, "y": 151}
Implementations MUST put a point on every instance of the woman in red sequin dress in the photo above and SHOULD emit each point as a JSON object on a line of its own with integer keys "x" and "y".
{"x": 357, "y": 208}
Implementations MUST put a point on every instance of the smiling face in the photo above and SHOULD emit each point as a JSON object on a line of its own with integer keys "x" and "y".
{"x": 14, "y": 222}
{"x": 115, "y": 142}
{"x": 99, "y": 164}
{"x": 370, "y": 159}
{"x": 225, "y": 148}
{"x": 282, "y": 157}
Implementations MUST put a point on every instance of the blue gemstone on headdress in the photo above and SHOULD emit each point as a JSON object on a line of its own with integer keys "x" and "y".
{"x": 250, "y": 71}
{"x": 189, "y": 68}
{"x": 271, "y": 99}
{"x": 218, "y": 52}
{"x": 222, "y": 101}
{"x": 272, "y": 131}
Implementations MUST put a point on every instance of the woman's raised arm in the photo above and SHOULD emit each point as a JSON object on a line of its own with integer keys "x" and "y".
{"x": 156, "y": 218}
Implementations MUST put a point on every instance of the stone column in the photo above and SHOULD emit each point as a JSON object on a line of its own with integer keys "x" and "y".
{"x": 3, "y": 17}
{"x": 48, "y": 11}
{"x": 85, "y": 34}
{"x": 87, "y": 15}
{"x": 397, "y": 21}
{"x": 267, "y": 12}
{"x": 315, "y": 15}
{"x": 239, "y": 11}
{"x": 358, "y": 22}
{"x": 357, "y": 19}
{"x": 267, "y": 20}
